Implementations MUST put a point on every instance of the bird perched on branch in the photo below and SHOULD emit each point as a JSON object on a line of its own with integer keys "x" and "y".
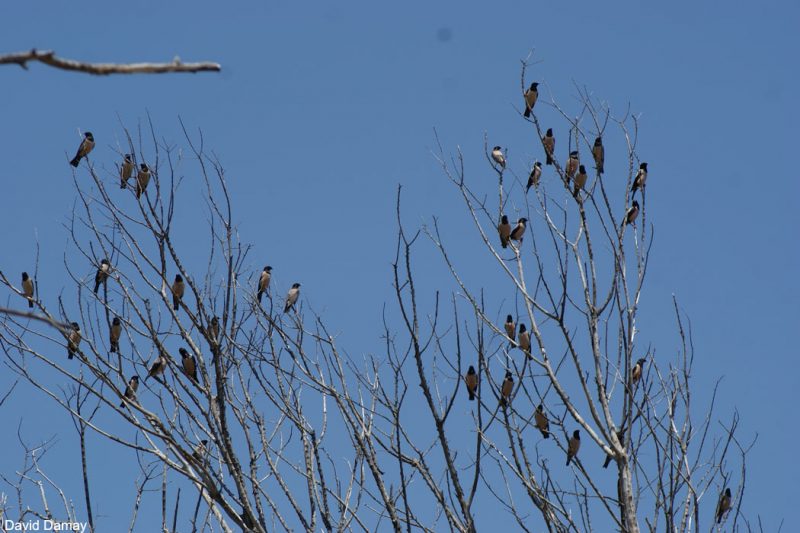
{"x": 511, "y": 329}
{"x": 621, "y": 439}
{"x": 499, "y": 157}
{"x": 189, "y": 364}
{"x": 573, "y": 446}
{"x": 524, "y": 341}
{"x": 504, "y": 230}
{"x": 535, "y": 176}
{"x": 631, "y": 214}
{"x": 130, "y": 390}
{"x": 158, "y": 366}
{"x": 506, "y": 388}
{"x": 549, "y": 143}
{"x": 86, "y": 146}
{"x": 101, "y": 277}
{"x": 114, "y": 334}
{"x": 542, "y": 423}
{"x": 126, "y": 171}
{"x": 724, "y": 503}
{"x": 199, "y": 453}
{"x": 519, "y": 230}
{"x": 471, "y": 379}
{"x": 636, "y": 371}
{"x": 572, "y": 164}
{"x": 531, "y": 95}
{"x": 73, "y": 340}
{"x": 178, "y": 288}
{"x": 213, "y": 329}
{"x": 263, "y": 282}
{"x": 580, "y": 180}
{"x": 142, "y": 179}
{"x": 291, "y": 297}
{"x": 27, "y": 288}
{"x": 599, "y": 154}
{"x": 640, "y": 178}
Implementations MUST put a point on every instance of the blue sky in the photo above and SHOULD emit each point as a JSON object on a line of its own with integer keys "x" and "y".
{"x": 321, "y": 110}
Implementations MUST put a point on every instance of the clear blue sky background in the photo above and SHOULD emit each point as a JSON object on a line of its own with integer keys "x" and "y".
{"x": 322, "y": 110}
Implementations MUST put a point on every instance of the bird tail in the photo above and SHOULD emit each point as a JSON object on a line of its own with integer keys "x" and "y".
{"x": 549, "y": 160}
{"x": 175, "y": 303}
{"x": 471, "y": 396}
{"x": 123, "y": 184}
{"x": 286, "y": 308}
{"x": 545, "y": 434}
{"x": 30, "y": 303}
{"x": 70, "y": 354}
{"x": 608, "y": 461}
{"x": 96, "y": 285}
{"x": 114, "y": 347}
{"x": 600, "y": 169}
{"x": 260, "y": 294}
{"x": 122, "y": 404}
{"x": 569, "y": 458}
{"x": 527, "y": 111}
{"x": 75, "y": 161}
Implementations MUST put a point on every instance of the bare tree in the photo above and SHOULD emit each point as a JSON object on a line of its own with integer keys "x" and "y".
{"x": 276, "y": 426}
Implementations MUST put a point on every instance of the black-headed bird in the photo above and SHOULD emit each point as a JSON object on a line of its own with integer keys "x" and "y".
{"x": 621, "y": 439}
{"x": 126, "y": 171}
{"x": 142, "y": 179}
{"x": 542, "y": 423}
{"x": 506, "y": 388}
{"x": 27, "y": 288}
{"x": 519, "y": 230}
{"x": 535, "y": 176}
{"x": 632, "y": 213}
{"x": 511, "y": 329}
{"x": 114, "y": 334}
{"x": 504, "y": 230}
{"x": 636, "y": 371}
{"x": 130, "y": 390}
{"x": 86, "y": 146}
{"x": 199, "y": 453}
{"x": 573, "y": 446}
{"x": 471, "y": 379}
{"x": 724, "y": 503}
{"x": 572, "y": 164}
{"x": 499, "y": 157}
{"x": 73, "y": 340}
{"x": 549, "y": 143}
{"x": 263, "y": 281}
{"x": 291, "y": 297}
{"x": 531, "y": 95}
{"x": 101, "y": 277}
{"x": 189, "y": 364}
{"x": 158, "y": 366}
{"x": 599, "y": 154}
{"x": 178, "y": 288}
{"x": 524, "y": 341}
{"x": 640, "y": 178}
{"x": 580, "y": 180}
